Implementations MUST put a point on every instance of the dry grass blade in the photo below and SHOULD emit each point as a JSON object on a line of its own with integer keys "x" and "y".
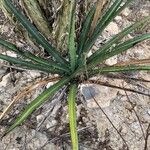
{"x": 133, "y": 62}
{"x": 116, "y": 87}
{"x": 146, "y": 138}
{"x": 121, "y": 76}
{"x": 99, "y": 7}
{"x": 23, "y": 93}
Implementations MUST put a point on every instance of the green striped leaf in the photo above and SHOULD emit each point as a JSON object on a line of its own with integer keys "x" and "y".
{"x": 101, "y": 25}
{"x": 118, "y": 37}
{"x": 9, "y": 45}
{"x": 117, "y": 50}
{"x": 34, "y": 32}
{"x": 119, "y": 69}
{"x": 71, "y": 37}
{"x": 85, "y": 30}
{"x": 37, "y": 103}
{"x": 32, "y": 57}
{"x": 30, "y": 65}
{"x": 72, "y": 116}
{"x": 120, "y": 9}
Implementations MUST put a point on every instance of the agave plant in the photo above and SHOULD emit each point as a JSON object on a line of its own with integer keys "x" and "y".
{"x": 77, "y": 66}
{"x": 50, "y": 18}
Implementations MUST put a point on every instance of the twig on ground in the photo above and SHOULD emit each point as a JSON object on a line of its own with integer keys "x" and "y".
{"x": 146, "y": 138}
{"x": 119, "y": 76}
{"x": 114, "y": 86}
{"x": 109, "y": 119}
{"x": 133, "y": 62}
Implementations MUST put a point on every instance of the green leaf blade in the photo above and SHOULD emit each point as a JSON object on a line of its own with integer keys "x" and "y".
{"x": 101, "y": 25}
{"x": 34, "y": 32}
{"x": 32, "y": 57}
{"x": 117, "y": 49}
{"x": 85, "y": 30}
{"x": 72, "y": 116}
{"x": 30, "y": 65}
{"x": 9, "y": 45}
{"x": 119, "y": 69}
{"x": 38, "y": 102}
{"x": 118, "y": 37}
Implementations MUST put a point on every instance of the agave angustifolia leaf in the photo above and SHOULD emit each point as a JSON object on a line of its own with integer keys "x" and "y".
{"x": 117, "y": 49}
{"x": 32, "y": 57}
{"x": 30, "y": 65}
{"x": 119, "y": 37}
{"x": 85, "y": 30}
{"x": 104, "y": 70}
{"x": 112, "y": 12}
{"x": 8, "y": 45}
{"x": 72, "y": 116}
{"x": 34, "y": 32}
{"x": 38, "y": 102}
{"x": 81, "y": 47}
{"x": 71, "y": 37}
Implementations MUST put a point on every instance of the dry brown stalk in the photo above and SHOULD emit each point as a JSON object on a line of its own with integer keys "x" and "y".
{"x": 98, "y": 12}
{"x": 114, "y": 86}
{"x": 134, "y": 62}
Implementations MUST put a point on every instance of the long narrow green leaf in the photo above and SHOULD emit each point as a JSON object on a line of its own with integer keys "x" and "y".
{"x": 118, "y": 37}
{"x": 98, "y": 29}
{"x": 119, "y": 69}
{"x": 71, "y": 37}
{"x": 34, "y": 32}
{"x": 72, "y": 116}
{"x": 107, "y": 18}
{"x": 118, "y": 49}
{"x": 32, "y": 57}
{"x": 8, "y": 45}
{"x": 37, "y": 102}
{"x": 30, "y": 65}
{"x": 48, "y": 63}
{"x": 85, "y": 29}
{"x": 102, "y": 24}
{"x": 118, "y": 11}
